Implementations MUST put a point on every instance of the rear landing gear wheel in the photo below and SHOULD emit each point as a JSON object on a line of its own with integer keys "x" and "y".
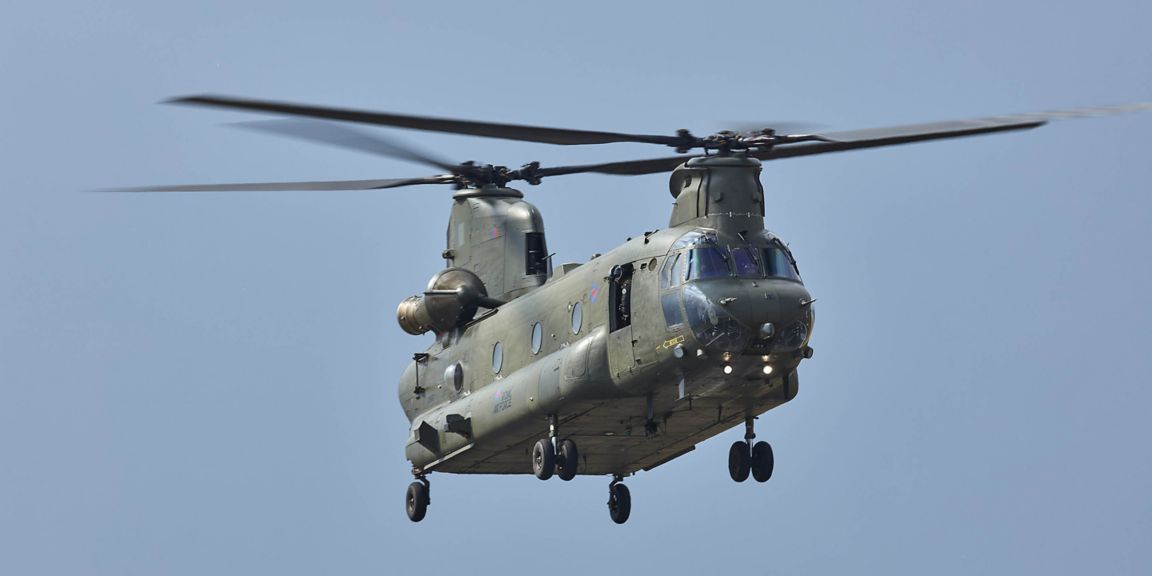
{"x": 417, "y": 500}
{"x": 619, "y": 502}
{"x": 762, "y": 461}
{"x": 543, "y": 458}
{"x": 567, "y": 460}
{"x": 739, "y": 461}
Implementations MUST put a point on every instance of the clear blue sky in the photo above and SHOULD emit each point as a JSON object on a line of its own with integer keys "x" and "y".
{"x": 205, "y": 384}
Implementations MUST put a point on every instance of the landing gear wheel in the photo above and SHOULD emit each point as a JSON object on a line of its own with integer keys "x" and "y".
{"x": 739, "y": 461}
{"x": 762, "y": 461}
{"x": 417, "y": 501}
{"x": 619, "y": 502}
{"x": 543, "y": 459}
{"x": 567, "y": 460}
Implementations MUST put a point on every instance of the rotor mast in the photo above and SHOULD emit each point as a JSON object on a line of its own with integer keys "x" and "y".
{"x": 497, "y": 235}
{"x": 718, "y": 191}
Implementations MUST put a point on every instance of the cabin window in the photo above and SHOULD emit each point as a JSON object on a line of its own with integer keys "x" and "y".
{"x": 536, "y": 256}
{"x": 497, "y": 357}
{"x": 455, "y": 375}
{"x": 577, "y": 317}
{"x": 707, "y": 262}
{"x": 537, "y": 338}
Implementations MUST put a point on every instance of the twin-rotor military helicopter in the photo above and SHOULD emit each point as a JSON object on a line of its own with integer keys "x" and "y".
{"x": 624, "y": 362}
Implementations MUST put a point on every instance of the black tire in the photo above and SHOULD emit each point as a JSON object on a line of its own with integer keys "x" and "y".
{"x": 543, "y": 459}
{"x": 417, "y": 501}
{"x": 619, "y": 503}
{"x": 567, "y": 460}
{"x": 739, "y": 461}
{"x": 762, "y": 461}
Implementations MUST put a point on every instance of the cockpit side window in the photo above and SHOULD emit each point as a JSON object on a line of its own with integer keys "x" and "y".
{"x": 778, "y": 263}
{"x": 673, "y": 273}
{"x": 671, "y": 277}
{"x": 707, "y": 262}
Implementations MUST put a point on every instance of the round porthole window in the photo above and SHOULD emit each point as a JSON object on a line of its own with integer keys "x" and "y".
{"x": 537, "y": 337}
{"x": 455, "y": 375}
{"x": 577, "y": 317}
{"x": 497, "y": 357}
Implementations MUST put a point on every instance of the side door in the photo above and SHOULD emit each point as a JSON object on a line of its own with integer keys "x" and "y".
{"x": 621, "y": 357}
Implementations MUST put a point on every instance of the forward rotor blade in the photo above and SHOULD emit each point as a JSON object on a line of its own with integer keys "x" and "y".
{"x": 347, "y": 137}
{"x": 889, "y": 136}
{"x": 625, "y": 168}
{"x": 870, "y": 138}
{"x": 469, "y": 127}
{"x": 293, "y": 186}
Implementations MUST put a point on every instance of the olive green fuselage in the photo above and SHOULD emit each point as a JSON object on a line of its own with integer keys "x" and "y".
{"x": 640, "y": 353}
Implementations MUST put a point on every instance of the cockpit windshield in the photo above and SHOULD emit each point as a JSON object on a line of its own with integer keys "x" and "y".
{"x": 707, "y": 262}
{"x": 778, "y": 264}
{"x": 699, "y": 256}
{"x": 746, "y": 263}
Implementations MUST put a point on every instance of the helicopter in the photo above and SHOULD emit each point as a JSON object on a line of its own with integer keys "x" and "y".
{"x": 619, "y": 364}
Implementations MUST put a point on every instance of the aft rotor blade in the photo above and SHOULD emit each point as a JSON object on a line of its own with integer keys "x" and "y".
{"x": 347, "y": 137}
{"x": 293, "y": 186}
{"x": 889, "y": 136}
{"x": 468, "y": 127}
{"x": 778, "y": 127}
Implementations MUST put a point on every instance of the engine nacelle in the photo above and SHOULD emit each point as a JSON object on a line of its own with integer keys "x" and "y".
{"x": 451, "y": 300}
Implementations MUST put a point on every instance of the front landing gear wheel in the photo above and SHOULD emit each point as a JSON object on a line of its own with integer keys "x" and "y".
{"x": 543, "y": 459}
{"x": 762, "y": 461}
{"x": 417, "y": 501}
{"x": 619, "y": 502}
{"x": 567, "y": 460}
{"x": 739, "y": 461}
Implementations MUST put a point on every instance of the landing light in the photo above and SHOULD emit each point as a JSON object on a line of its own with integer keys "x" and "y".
{"x": 727, "y": 369}
{"x": 767, "y": 369}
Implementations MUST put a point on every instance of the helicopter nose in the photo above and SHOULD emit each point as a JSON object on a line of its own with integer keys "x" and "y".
{"x": 776, "y": 311}
{"x": 742, "y": 316}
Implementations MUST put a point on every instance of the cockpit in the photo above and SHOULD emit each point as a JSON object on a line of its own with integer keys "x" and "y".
{"x": 738, "y": 294}
{"x": 701, "y": 256}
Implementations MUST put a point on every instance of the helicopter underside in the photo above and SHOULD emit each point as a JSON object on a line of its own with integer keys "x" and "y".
{"x": 615, "y": 436}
